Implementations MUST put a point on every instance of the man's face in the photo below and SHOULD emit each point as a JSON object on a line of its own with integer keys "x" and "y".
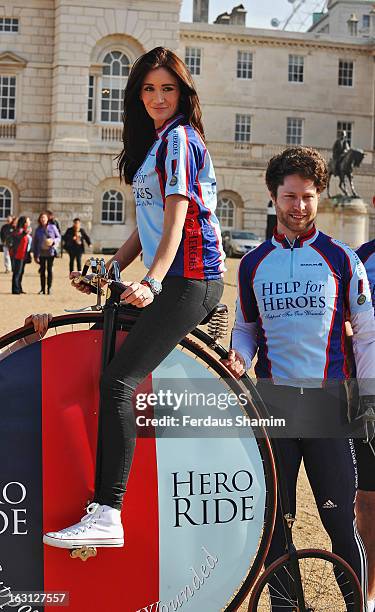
{"x": 296, "y": 205}
{"x": 77, "y": 225}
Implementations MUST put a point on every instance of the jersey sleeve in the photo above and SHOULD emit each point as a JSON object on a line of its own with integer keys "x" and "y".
{"x": 363, "y": 325}
{"x": 358, "y": 296}
{"x": 182, "y": 163}
{"x": 244, "y": 333}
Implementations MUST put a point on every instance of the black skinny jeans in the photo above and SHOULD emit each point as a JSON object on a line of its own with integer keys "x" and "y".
{"x": 181, "y": 306}
{"x": 46, "y": 262}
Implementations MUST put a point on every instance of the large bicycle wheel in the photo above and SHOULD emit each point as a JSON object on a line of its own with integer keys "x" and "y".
{"x": 199, "y": 511}
{"x": 328, "y": 584}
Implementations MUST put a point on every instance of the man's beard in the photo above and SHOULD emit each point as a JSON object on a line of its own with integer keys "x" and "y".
{"x": 294, "y": 225}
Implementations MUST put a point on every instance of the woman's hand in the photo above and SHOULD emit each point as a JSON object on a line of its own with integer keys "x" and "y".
{"x": 37, "y": 260}
{"x": 79, "y": 286}
{"x": 40, "y": 322}
{"x": 137, "y": 294}
{"x": 235, "y": 363}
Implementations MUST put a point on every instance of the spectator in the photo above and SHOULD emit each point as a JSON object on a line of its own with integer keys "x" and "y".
{"x": 6, "y": 229}
{"x": 46, "y": 242}
{"x": 54, "y": 221}
{"x": 74, "y": 243}
{"x": 19, "y": 243}
{"x": 9, "y": 240}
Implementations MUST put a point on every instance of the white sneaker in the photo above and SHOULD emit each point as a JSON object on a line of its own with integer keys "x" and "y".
{"x": 101, "y": 526}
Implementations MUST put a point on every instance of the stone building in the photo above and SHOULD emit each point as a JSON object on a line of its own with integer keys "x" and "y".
{"x": 63, "y": 66}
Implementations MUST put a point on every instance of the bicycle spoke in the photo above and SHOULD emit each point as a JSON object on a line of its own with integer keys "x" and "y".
{"x": 327, "y": 585}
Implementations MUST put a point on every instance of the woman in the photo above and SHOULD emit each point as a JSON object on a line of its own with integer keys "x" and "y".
{"x": 18, "y": 252}
{"x": 74, "y": 243}
{"x": 166, "y": 161}
{"x": 46, "y": 241}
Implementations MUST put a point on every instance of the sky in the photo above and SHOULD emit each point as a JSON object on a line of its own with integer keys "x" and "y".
{"x": 260, "y": 12}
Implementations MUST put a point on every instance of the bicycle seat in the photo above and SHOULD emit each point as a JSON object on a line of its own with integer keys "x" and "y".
{"x": 219, "y": 309}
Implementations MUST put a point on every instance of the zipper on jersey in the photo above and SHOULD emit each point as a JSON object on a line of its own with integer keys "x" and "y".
{"x": 291, "y": 267}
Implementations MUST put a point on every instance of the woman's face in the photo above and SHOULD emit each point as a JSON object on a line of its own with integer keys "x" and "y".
{"x": 44, "y": 220}
{"x": 160, "y": 93}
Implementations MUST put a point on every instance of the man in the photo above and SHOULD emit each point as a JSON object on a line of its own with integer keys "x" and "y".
{"x": 74, "y": 243}
{"x": 293, "y": 294}
{"x": 6, "y": 229}
{"x": 365, "y": 453}
{"x": 340, "y": 147}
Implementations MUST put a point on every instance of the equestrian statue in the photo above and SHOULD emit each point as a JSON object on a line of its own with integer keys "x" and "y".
{"x": 344, "y": 159}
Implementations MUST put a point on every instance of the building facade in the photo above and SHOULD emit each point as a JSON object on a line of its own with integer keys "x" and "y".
{"x": 63, "y": 68}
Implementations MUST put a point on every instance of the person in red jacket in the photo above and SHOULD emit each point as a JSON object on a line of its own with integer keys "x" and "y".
{"x": 18, "y": 252}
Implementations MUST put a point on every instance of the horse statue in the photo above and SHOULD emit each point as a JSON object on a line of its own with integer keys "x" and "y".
{"x": 344, "y": 169}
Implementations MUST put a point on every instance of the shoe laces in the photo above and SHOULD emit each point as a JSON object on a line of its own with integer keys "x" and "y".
{"x": 86, "y": 521}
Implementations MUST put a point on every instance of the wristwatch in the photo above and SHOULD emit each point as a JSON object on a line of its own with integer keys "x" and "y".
{"x": 155, "y": 286}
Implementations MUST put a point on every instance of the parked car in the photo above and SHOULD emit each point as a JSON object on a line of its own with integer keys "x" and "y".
{"x": 239, "y": 242}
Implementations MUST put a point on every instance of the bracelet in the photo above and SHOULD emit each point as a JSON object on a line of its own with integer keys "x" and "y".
{"x": 154, "y": 285}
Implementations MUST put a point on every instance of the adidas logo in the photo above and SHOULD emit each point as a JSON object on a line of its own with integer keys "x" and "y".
{"x": 329, "y": 504}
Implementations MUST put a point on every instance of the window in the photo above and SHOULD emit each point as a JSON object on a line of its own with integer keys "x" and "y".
{"x": 244, "y": 65}
{"x": 90, "y": 103}
{"x": 243, "y": 128}
{"x": 366, "y": 22}
{"x": 193, "y": 60}
{"x": 345, "y": 126}
{"x": 115, "y": 71}
{"x": 353, "y": 27}
{"x": 225, "y": 212}
{"x": 294, "y": 131}
{"x": 5, "y": 202}
{"x": 295, "y": 68}
{"x": 8, "y": 97}
{"x": 113, "y": 207}
{"x": 8, "y": 25}
{"x": 346, "y": 69}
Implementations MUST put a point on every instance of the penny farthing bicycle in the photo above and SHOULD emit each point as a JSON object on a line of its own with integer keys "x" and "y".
{"x": 201, "y": 500}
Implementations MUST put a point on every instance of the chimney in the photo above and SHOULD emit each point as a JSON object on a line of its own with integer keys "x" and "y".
{"x": 200, "y": 11}
{"x": 238, "y": 16}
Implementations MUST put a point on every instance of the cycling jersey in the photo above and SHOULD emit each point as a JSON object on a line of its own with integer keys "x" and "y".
{"x": 364, "y": 453}
{"x": 366, "y": 253}
{"x": 292, "y": 302}
{"x": 179, "y": 163}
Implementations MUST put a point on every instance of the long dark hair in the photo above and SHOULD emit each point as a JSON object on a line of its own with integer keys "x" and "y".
{"x": 21, "y": 222}
{"x": 139, "y": 129}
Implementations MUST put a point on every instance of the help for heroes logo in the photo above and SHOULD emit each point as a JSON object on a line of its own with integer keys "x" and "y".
{"x": 292, "y": 295}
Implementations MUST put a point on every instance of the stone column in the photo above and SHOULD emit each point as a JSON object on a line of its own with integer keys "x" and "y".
{"x": 346, "y": 220}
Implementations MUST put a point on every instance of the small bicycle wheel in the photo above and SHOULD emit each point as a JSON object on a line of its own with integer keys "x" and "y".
{"x": 328, "y": 583}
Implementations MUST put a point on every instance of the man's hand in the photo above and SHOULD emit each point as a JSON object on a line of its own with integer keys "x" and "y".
{"x": 137, "y": 294}
{"x": 235, "y": 363}
{"x": 365, "y": 417}
{"x": 40, "y": 322}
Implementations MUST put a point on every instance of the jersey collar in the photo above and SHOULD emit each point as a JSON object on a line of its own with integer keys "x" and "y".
{"x": 280, "y": 240}
{"x": 169, "y": 125}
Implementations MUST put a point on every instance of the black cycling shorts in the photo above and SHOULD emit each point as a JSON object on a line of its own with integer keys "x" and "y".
{"x": 365, "y": 465}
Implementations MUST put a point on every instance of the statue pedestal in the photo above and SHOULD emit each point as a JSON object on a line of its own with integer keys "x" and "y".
{"x": 344, "y": 218}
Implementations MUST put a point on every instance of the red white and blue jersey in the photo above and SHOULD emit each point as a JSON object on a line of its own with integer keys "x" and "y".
{"x": 293, "y": 301}
{"x": 366, "y": 253}
{"x": 179, "y": 163}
